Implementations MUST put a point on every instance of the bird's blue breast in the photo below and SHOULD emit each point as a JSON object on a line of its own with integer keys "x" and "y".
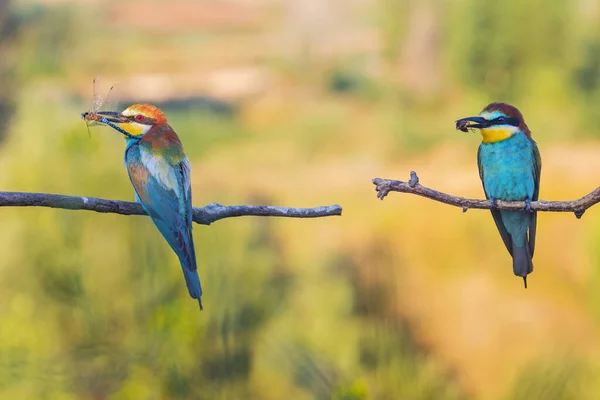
{"x": 507, "y": 168}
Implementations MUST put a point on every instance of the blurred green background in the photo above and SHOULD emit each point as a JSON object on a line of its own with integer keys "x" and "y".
{"x": 298, "y": 103}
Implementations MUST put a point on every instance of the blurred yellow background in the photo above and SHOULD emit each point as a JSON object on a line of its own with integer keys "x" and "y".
{"x": 298, "y": 103}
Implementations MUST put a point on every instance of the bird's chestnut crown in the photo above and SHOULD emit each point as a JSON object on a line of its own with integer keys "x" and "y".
{"x": 145, "y": 114}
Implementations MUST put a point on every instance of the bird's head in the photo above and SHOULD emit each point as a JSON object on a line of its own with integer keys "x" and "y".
{"x": 498, "y": 121}
{"x": 135, "y": 120}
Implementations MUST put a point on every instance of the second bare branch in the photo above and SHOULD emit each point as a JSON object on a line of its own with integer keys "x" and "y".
{"x": 384, "y": 186}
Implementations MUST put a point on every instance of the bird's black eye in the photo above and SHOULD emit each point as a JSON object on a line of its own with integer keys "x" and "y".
{"x": 500, "y": 119}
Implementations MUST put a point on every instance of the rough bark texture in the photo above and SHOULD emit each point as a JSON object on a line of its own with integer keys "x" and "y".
{"x": 205, "y": 215}
{"x": 384, "y": 186}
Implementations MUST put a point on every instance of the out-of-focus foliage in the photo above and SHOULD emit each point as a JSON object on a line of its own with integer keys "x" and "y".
{"x": 298, "y": 103}
{"x": 7, "y": 32}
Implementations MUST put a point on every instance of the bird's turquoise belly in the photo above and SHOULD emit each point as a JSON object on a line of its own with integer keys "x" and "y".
{"x": 508, "y": 169}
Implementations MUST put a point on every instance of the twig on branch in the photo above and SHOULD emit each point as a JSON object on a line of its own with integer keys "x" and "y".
{"x": 384, "y": 186}
{"x": 205, "y": 215}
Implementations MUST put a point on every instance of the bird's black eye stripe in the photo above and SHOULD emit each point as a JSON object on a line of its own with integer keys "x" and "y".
{"x": 506, "y": 121}
{"x": 145, "y": 120}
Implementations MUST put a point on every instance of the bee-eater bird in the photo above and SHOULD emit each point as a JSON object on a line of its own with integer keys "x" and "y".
{"x": 160, "y": 173}
{"x": 509, "y": 167}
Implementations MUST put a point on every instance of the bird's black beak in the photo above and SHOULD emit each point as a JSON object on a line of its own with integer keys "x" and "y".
{"x": 113, "y": 116}
{"x": 472, "y": 122}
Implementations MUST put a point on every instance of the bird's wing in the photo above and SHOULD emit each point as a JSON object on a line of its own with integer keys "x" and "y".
{"x": 184, "y": 171}
{"x": 164, "y": 191}
{"x": 495, "y": 213}
{"x": 537, "y": 171}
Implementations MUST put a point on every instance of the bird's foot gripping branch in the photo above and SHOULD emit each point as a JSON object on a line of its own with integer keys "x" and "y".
{"x": 578, "y": 207}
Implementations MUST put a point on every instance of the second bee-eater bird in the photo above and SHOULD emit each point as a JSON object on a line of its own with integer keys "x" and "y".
{"x": 160, "y": 174}
{"x": 509, "y": 167}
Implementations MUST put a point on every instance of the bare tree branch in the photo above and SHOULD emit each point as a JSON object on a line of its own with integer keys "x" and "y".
{"x": 384, "y": 186}
{"x": 205, "y": 215}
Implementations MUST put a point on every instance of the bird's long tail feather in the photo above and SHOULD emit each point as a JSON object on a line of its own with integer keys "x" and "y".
{"x": 522, "y": 263}
{"x": 192, "y": 282}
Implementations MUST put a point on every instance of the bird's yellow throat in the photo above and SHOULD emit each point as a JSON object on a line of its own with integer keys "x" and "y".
{"x": 495, "y": 134}
{"x": 134, "y": 128}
